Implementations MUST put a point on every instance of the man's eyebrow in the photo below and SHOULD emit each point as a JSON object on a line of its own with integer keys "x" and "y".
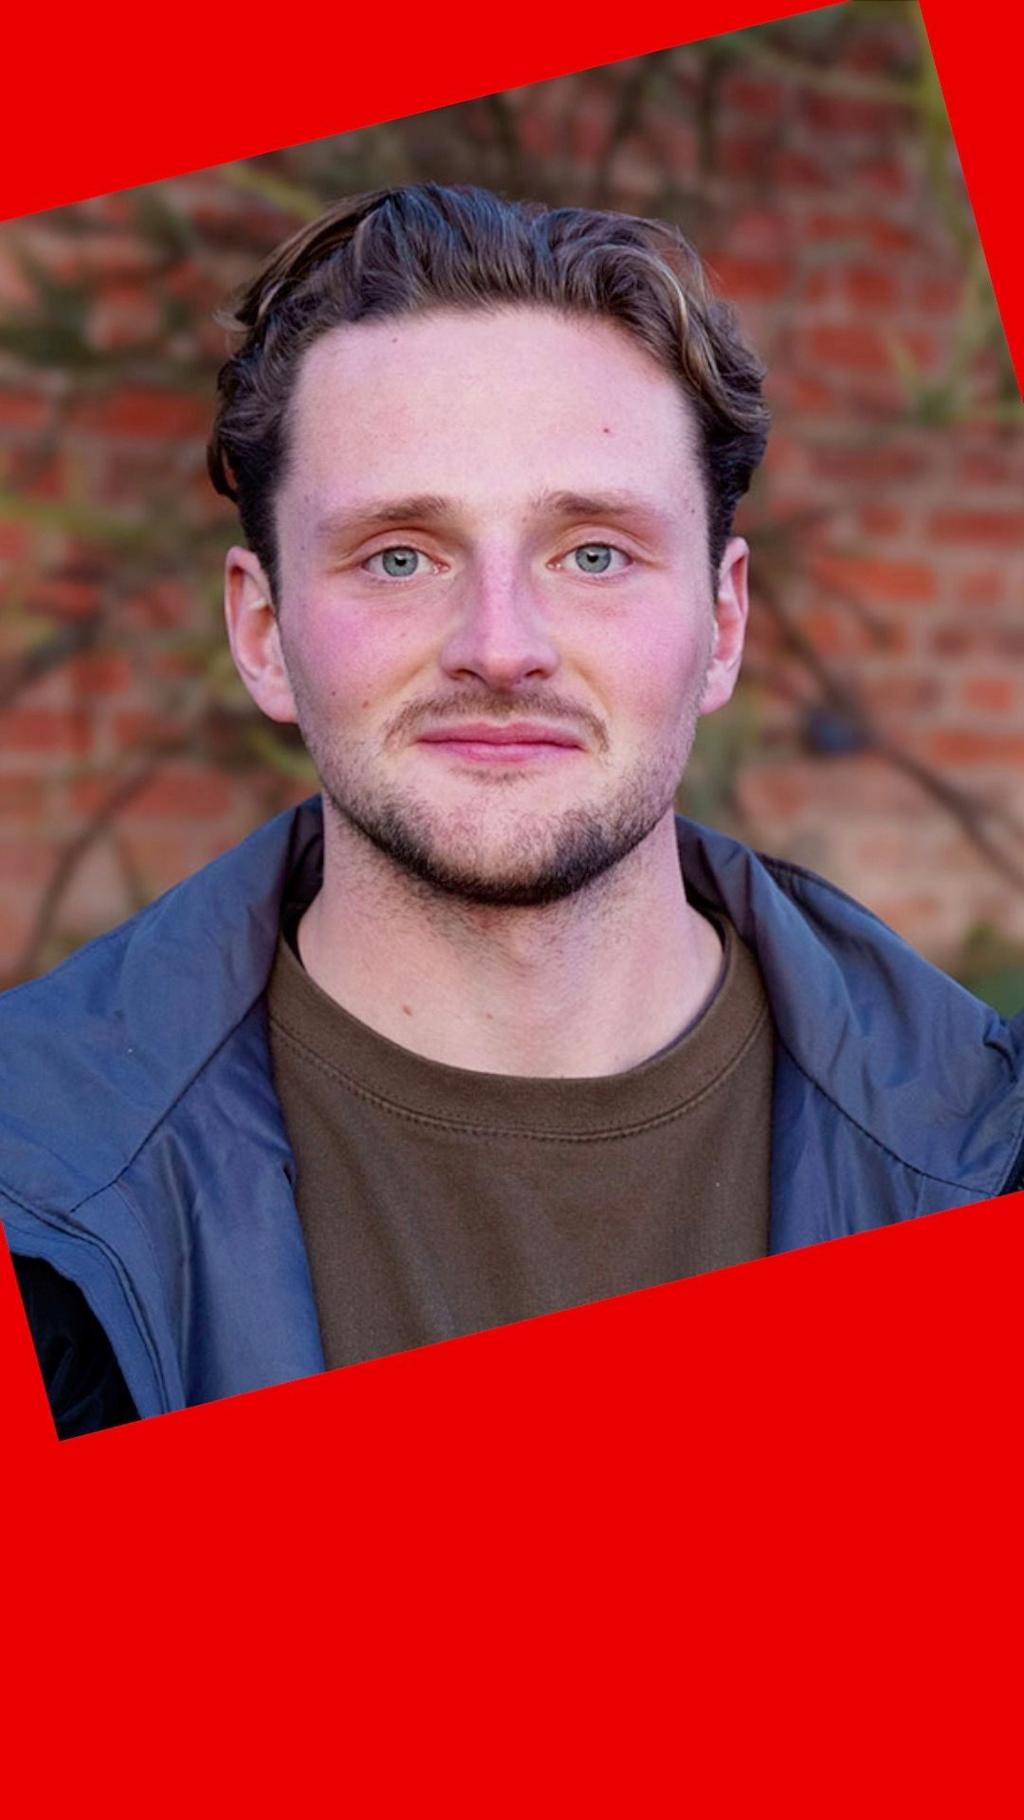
{"x": 616, "y": 502}
{"x": 418, "y": 508}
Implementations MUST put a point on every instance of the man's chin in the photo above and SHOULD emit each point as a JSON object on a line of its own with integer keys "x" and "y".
{"x": 527, "y": 871}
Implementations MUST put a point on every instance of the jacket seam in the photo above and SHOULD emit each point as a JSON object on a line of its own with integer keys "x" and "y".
{"x": 116, "y": 1179}
{"x": 789, "y": 869}
{"x": 926, "y": 1175}
{"x": 110, "y": 1253}
{"x": 116, "y": 1187}
{"x": 161, "y": 1119}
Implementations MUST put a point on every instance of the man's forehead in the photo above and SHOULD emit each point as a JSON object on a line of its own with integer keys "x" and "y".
{"x": 524, "y": 411}
{"x": 515, "y": 348}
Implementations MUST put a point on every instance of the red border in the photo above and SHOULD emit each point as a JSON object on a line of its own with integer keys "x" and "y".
{"x": 746, "y": 1544}
{"x": 110, "y": 100}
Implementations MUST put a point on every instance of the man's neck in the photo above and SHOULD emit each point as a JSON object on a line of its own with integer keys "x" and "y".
{"x": 590, "y": 986}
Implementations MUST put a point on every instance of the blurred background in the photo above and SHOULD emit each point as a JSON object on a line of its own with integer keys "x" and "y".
{"x": 878, "y": 735}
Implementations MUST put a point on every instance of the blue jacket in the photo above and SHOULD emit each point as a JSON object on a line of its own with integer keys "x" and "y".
{"x": 143, "y": 1153}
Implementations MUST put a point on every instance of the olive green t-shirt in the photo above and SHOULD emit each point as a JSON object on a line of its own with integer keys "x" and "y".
{"x": 438, "y": 1201}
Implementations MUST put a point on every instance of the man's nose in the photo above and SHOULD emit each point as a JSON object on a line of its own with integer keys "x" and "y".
{"x": 500, "y": 634}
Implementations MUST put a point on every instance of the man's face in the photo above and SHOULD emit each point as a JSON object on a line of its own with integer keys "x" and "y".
{"x": 495, "y": 613}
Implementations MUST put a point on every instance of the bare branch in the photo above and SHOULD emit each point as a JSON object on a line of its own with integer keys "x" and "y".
{"x": 74, "y": 850}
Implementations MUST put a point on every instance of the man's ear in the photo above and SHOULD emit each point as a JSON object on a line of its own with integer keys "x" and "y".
{"x": 253, "y": 635}
{"x": 731, "y": 608}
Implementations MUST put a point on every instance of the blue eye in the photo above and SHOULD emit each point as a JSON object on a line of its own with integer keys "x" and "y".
{"x": 597, "y": 558}
{"x": 398, "y": 562}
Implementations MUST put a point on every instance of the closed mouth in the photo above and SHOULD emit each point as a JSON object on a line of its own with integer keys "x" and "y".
{"x": 509, "y": 733}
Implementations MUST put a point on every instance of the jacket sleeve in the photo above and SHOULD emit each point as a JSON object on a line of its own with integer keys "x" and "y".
{"x": 82, "y": 1377}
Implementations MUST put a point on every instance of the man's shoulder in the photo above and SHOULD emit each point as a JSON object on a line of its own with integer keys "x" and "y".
{"x": 93, "y": 1053}
{"x": 915, "y": 1060}
{"x": 217, "y": 909}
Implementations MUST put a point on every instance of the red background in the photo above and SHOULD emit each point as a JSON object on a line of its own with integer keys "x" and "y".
{"x": 744, "y": 1544}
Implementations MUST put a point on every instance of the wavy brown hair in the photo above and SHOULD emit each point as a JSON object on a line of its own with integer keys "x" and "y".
{"x": 423, "y": 247}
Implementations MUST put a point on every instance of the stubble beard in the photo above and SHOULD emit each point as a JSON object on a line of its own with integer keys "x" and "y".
{"x": 538, "y": 858}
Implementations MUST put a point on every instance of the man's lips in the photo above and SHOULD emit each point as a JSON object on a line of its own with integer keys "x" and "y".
{"x": 508, "y": 743}
{"x": 508, "y": 733}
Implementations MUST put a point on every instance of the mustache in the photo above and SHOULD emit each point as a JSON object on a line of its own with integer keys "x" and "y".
{"x": 486, "y": 704}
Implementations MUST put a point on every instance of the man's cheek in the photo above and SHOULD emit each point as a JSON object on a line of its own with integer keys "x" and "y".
{"x": 657, "y": 677}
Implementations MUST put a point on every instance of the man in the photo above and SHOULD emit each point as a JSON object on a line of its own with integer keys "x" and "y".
{"x": 494, "y": 1034}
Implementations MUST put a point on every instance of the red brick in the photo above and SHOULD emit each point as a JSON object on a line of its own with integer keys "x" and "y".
{"x": 855, "y": 346}
{"x": 741, "y": 155}
{"x": 588, "y": 133}
{"x": 882, "y": 521}
{"x": 23, "y": 410}
{"x": 195, "y": 286}
{"x": 143, "y": 411}
{"x": 964, "y": 746}
{"x": 982, "y": 588}
{"x": 15, "y": 287}
{"x": 55, "y": 730}
{"x": 991, "y": 694}
{"x": 87, "y": 794}
{"x": 753, "y": 99}
{"x": 888, "y": 237}
{"x": 101, "y": 256}
{"x": 886, "y": 174}
{"x": 837, "y": 631}
{"x": 161, "y": 860}
{"x": 872, "y": 578}
{"x": 756, "y": 278}
{"x": 938, "y": 295}
{"x": 141, "y": 726}
{"x": 882, "y": 848}
{"x": 849, "y": 114}
{"x": 863, "y": 785}
{"x": 953, "y": 640}
{"x": 176, "y": 664}
{"x": 759, "y": 233}
{"x": 166, "y": 603}
{"x": 977, "y": 526}
{"x": 868, "y": 284}
{"x": 37, "y": 477}
{"x": 808, "y": 393}
{"x": 799, "y": 170}
{"x": 27, "y": 862}
{"x": 921, "y": 345}
{"x": 844, "y": 228}
{"x": 101, "y": 673}
{"x": 17, "y": 916}
{"x": 21, "y": 797}
{"x": 677, "y": 142}
{"x": 65, "y": 597}
{"x": 885, "y": 461}
{"x": 538, "y": 134}
{"x": 122, "y": 316}
{"x": 884, "y": 236}
{"x": 816, "y": 284}
{"x": 908, "y": 913}
{"x": 899, "y": 695}
{"x": 991, "y": 467}
{"x": 774, "y": 792}
{"x": 14, "y": 541}
{"x": 184, "y": 794}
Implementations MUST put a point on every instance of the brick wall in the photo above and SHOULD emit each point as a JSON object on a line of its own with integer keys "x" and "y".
{"x": 879, "y": 736}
